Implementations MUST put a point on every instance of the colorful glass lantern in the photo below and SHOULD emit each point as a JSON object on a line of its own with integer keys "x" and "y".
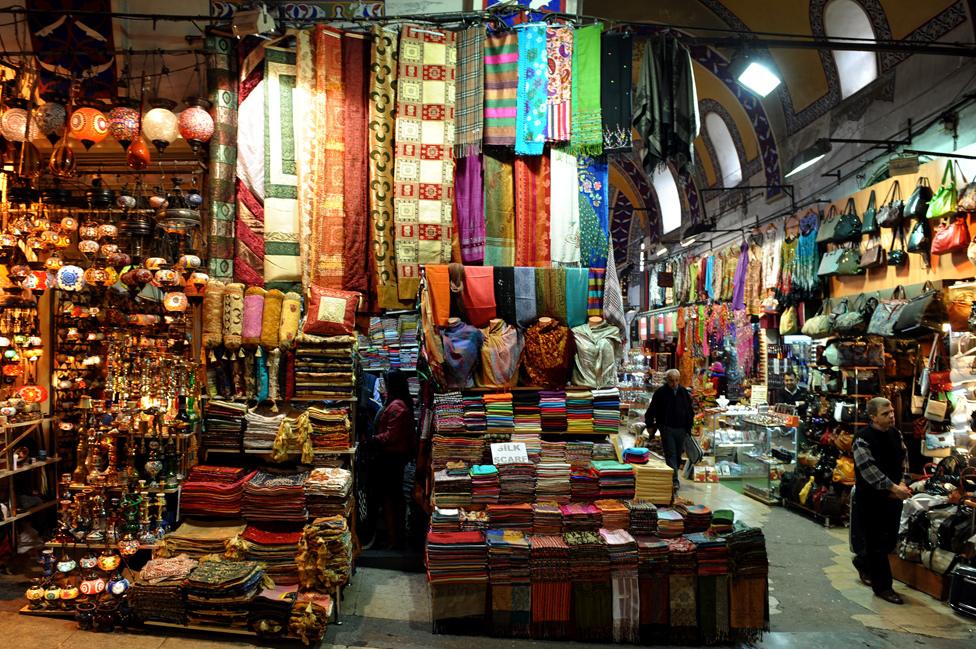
{"x": 160, "y": 125}
{"x": 123, "y": 121}
{"x": 137, "y": 155}
{"x": 196, "y": 124}
{"x": 13, "y": 122}
{"x": 88, "y": 125}
{"x": 62, "y": 163}
{"x": 51, "y": 117}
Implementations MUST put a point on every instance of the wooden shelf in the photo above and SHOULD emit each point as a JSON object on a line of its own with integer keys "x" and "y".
{"x": 33, "y": 510}
{"x": 6, "y": 473}
{"x": 97, "y": 545}
{"x": 153, "y": 490}
{"x": 22, "y": 424}
{"x": 46, "y": 612}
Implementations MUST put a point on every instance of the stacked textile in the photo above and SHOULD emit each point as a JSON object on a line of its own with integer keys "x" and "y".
{"x": 156, "y": 593}
{"x": 682, "y": 586}
{"x": 330, "y": 428}
{"x": 533, "y": 444}
{"x": 604, "y": 451}
{"x": 485, "y": 485}
{"x": 468, "y": 449}
{"x": 579, "y": 411}
{"x": 592, "y": 592}
{"x": 670, "y": 523}
{"x": 310, "y": 616}
{"x": 636, "y": 455}
{"x": 270, "y": 611}
{"x": 643, "y": 517}
{"x": 581, "y": 517}
{"x": 452, "y": 488}
{"x": 214, "y": 491}
{"x": 473, "y": 521}
{"x": 391, "y": 331}
{"x": 528, "y": 415}
{"x": 614, "y": 514}
{"x": 517, "y": 482}
{"x": 407, "y": 326}
{"x": 221, "y": 592}
{"x": 499, "y": 412}
{"x": 551, "y": 586}
{"x": 510, "y": 517}
{"x": 553, "y": 482}
{"x": 325, "y": 554}
{"x": 654, "y": 481}
{"x": 197, "y": 538}
{"x": 749, "y": 610}
{"x": 579, "y": 454}
{"x": 261, "y": 430}
{"x": 553, "y": 452}
{"x": 712, "y": 553}
{"x": 547, "y": 518}
{"x": 552, "y": 404}
{"x": 445, "y": 520}
{"x": 509, "y": 576}
{"x": 653, "y": 576}
{"x": 223, "y": 425}
{"x": 327, "y": 492}
{"x": 616, "y": 480}
{"x": 723, "y": 521}
{"x": 457, "y": 569}
{"x": 475, "y": 420}
{"x": 324, "y": 367}
{"x": 606, "y": 411}
{"x": 698, "y": 518}
{"x": 276, "y": 496}
{"x": 622, "y": 551}
{"x": 273, "y": 546}
{"x": 449, "y": 413}
{"x": 584, "y": 485}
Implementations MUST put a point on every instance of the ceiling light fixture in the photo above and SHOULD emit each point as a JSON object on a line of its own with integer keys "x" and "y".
{"x": 808, "y": 157}
{"x": 755, "y": 73}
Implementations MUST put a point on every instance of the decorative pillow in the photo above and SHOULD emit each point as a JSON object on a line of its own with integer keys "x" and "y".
{"x": 271, "y": 318}
{"x": 331, "y": 312}
{"x": 253, "y": 316}
{"x": 291, "y": 313}
{"x": 213, "y": 314}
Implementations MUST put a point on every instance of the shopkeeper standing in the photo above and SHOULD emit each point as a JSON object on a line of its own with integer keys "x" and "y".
{"x": 671, "y": 413}
{"x": 880, "y": 466}
{"x": 393, "y": 446}
{"x": 792, "y": 394}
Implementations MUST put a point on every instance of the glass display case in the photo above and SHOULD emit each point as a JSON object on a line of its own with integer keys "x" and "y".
{"x": 772, "y": 455}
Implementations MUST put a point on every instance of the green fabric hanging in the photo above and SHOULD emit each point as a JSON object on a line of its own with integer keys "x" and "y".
{"x": 587, "y": 136}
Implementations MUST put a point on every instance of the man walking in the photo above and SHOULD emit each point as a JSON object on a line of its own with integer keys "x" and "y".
{"x": 671, "y": 413}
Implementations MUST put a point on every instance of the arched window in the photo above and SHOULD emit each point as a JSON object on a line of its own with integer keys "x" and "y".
{"x": 729, "y": 168}
{"x": 846, "y": 19}
{"x": 667, "y": 197}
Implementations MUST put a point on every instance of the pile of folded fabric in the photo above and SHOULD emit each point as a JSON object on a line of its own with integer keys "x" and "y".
{"x": 261, "y": 431}
{"x": 517, "y": 482}
{"x": 670, "y": 523}
{"x": 274, "y": 546}
{"x": 499, "y": 412}
{"x": 643, "y": 517}
{"x": 325, "y": 554}
{"x": 198, "y": 538}
{"x": 533, "y": 444}
{"x": 614, "y": 514}
{"x": 723, "y": 521}
{"x": 509, "y": 576}
{"x": 485, "y": 486}
{"x": 407, "y": 325}
{"x": 553, "y": 452}
{"x": 468, "y": 449}
{"x": 606, "y": 411}
{"x": 221, "y": 592}
{"x": 277, "y": 495}
{"x": 579, "y": 454}
{"x": 528, "y": 415}
{"x": 310, "y": 617}
{"x": 552, "y": 404}
{"x": 270, "y": 611}
{"x": 592, "y": 592}
{"x": 457, "y": 569}
{"x": 698, "y": 518}
{"x": 443, "y": 519}
{"x": 653, "y": 555}
{"x": 579, "y": 412}
{"x": 157, "y": 594}
{"x": 510, "y": 517}
{"x": 214, "y": 491}
{"x": 584, "y": 485}
{"x": 581, "y": 517}
{"x": 449, "y": 413}
{"x": 475, "y": 420}
{"x": 223, "y": 425}
{"x": 636, "y": 455}
{"x": 474, "y": 521}
{"x": 324, "y": 367}
{"x": 604, "y": 451}
{"x": 452, "y": 487}
{"x": 683, "y": 581}
{"x": 551, "y": 587}
{"x": 330, "y": 428}
{"x": 547, "y": 518}
{"x": 749, "y": 610}
{"x": 616, "y": 480}
{"x": 327, "y": 492}
{"x": 654, "y": 481}
{"x": 622, "y": 551}
{"x": 553, "y": 482}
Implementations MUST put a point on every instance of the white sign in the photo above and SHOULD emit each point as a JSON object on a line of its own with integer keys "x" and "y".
{"x": 509, "y": 453}
{"x": 760, "y": 395}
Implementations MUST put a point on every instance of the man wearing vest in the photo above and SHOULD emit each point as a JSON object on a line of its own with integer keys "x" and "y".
{"x": 880, "y": 467}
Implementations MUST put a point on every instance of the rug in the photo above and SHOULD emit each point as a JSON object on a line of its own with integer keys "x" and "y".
{"x": 499, "y": 208}
{"x": 532, "y": 211}
{"x": 222, "y": 86}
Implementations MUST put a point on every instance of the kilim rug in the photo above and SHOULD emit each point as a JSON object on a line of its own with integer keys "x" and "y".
{"x": 249, "y": 227}
{"x": 222, "y": 86}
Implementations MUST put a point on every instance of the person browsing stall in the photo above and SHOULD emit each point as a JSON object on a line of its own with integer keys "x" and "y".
{"x": 671, "y": 412}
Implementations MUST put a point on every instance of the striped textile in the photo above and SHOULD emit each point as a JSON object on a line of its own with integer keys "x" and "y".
{"x": 222, "y": 86}
{"x": 470, "y": 111}
{"x": 559, "y": 47}
{"x": 501, "y": 88}
{"x": 613, "y": 303}
{"x": 249, "y": 226}
{"x": 594, "y": 295}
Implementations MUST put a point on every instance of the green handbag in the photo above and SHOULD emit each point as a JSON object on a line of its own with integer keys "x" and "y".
{"x": 849, "y": 263}
{"x": 944, "y": 201}
{"x": 825, "y": 234}
{"x": 848, "y": 225}
{"x": 829, "y": 263}
{"x": 870, "y": 223}
{"x": 820, "y": 325}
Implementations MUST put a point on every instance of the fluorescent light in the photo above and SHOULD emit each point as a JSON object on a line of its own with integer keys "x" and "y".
{"x": 661, "y": 252}
{"x": 808, "y": 157}
{"x": 689, "y": 241}
{"x": 804, "y": 165}
{"x": 759, "y": 79}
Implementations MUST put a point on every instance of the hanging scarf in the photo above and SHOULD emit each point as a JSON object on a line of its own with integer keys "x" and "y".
{"x": 506, "y": 298}
{"x": 550, "y": 292}
{"x": 249, "y": 227}
{"x": 532, "y": 211}
{"x": 354, "y": 55}
{"x": 532, "y": 109}
{"x": 222, "y": 89}
{"x": 499, "y": 209}
{"x": 424, "y": 135}
{"x": 576, "y": 296}
{"x": 587, "y": 134}
{"x": 594, "y": 302}
{"x": 469, "y": 201}
{"x": 469, "y": 114}
{"x": 501, "y": 88}
{"x": 564, "y": 204}
{"x": 594, "y": 215}
{"x": 741, "y": 267}
{"x": 615, "y": 76}
{"x": 525, "y": 302}
{"x": 613, "y": 304}
{"x": 559, "y": 47}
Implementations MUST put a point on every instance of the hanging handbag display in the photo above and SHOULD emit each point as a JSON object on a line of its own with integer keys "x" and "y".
{"x": 943, "y": 202}
{"x": 856, "y": 353}
{"x": 788, "y": 323}
{"x": 874, "y": 255}
{"x": 960, "y": 307}
{"x": 859, "y": 381}
{"x": 869, "y": 224}
{"x": 830, "y": 262}
{"x": 825, "y": 234}
{"x": 820, "y": 325}
{"x": 844, "y": 471}
{"x": 967, "y": 198}
{"x": 935, "y": 410}
{"x": 924, "y": 311}
{"x": 923, "y": 379}
{"x": 848, "y": 224}
{"x": 849, "y": 262}
{"x": 951, "y": 236}
{"x": 892, "y": 211}
{"x": 855, "y": 321}
{"x": 885, "y": 317}
{"x": 917, "y": 205}
{"x": 920, "y": 238}
{"x": 898, "y": 257}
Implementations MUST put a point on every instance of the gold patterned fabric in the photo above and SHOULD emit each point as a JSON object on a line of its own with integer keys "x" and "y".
{"x": 548, "y": 354}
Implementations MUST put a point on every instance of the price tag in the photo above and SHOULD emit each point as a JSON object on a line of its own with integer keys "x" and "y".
{"x": 509, "y": 453}
{"x": 759, "y": 396}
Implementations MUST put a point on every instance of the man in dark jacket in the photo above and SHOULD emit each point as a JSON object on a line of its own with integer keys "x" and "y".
{"x": 672, "y": 414}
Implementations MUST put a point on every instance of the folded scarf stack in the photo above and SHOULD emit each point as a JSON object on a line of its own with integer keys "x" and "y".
{"x": 683, "y": 587}
{"x": 622, "y": 551}
{"x": 330, "y": 428}
{"x": 198, "y": 538}
{"x": 324, "y": 367}
{"x": 551, "y": 587}
{"x": 221, "y": 592}
{"x": 275, "y": 496}
{"x": 449, "y": 413}
{"x": 614, "y": 514}
{"x": 547, "y": 518}
{"x": 510, "y": 517}
{"x": 749, "y": 609}
{"x": 157, "y": 591}
{"x": 272, "y": 546}
{"x": 485, "y": 485}
{"x": 592, "y": 594}
{"x": 270, "y": 611}
{"x": 443, "y": 519}
{"x": 517, "y": 482}
{"x": 581, "y": 517}
{"x": 457, "y": 569}
{"x": 698, "y": 518}
{"x": 670, "y": 523}
{"x": 261, "y": 431}
{"x": 310, "y": 617}
{"x": 553, "y": 482}
{"x": 643, "y": 517}
{"x": 223, "y": 425}
{"x": 327, "y": 492}
{"x": 616, "y": 480}
{"x": 214, "y": 491}
{"x": 508, "y": 562}
{"x": 325, "y": 554}
{"x": 636, "y": 455}
{"x": 451, "y": 488}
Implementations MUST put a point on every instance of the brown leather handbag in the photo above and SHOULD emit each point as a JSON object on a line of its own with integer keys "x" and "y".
{"x": 844, "y": 441}
{"x": 874, "y": 256}
{"x": 960, "y": 306}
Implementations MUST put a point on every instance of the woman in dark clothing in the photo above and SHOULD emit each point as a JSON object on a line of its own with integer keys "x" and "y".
{"x": 394, "y": 444}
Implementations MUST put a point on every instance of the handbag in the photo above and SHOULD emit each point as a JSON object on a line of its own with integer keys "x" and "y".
{"x": 897, "y": 257}
{"x": 820, "y": 325}
{"x": 848, "y": 224}
{"x": 849, "y": 262}
{"x": 844, "y": 470}
{"x": 923, "y": 379}
{"x": 960, "y": 307}
{"x": 951, "y": 236}
{"x": 920, "y": 238}
{"x": 859, "y": 381}
{"x": 892, "y": 211}
{"x": 695, "y": 454}
{"x": 967, "y": 198}
{"x": 788, "y": 323}
{"x": 874, "y": 255}
{"x": 869, "y": 224}
{"x": 845, "y": 413}
{"x": 856, "y": 321}
{"x": 935, "y": 410}
{"x": 830, "y": 262}
{"x": 924, "y": 311}
{"x": 943, "y": 202}
{"x": 805, "y": 491}
{"x": 885, "y": 316}
{"x": 857, "y": 353}
{"x": 825, "y": 234}
{"x": 963, "y": 368}
{"x": 938, "y": 441}
{"x": 917, "y": 204}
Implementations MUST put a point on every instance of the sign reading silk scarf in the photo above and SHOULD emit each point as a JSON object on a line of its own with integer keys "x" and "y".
{"x": 222, "y": 86}
{"x": 501, "y": 88}
{"x": 559, "y": 47}
{"x": 593, "y": 210}
{"x": 532, "y": 115}
{"x": 424, "y": 171}
{"x": 587, "y": 136}
{"x": 282, "y": 260}
{"x": 249, "y": 227}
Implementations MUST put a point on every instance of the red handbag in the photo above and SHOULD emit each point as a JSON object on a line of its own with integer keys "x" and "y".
{"x": 951, "y": 237}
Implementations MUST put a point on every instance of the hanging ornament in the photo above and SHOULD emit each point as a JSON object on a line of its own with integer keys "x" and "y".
{"x": 62, "y": 163}
{"x": 51, "y": 117}
{"x": 137, "y": 155}
{"x": 29, "y": 161}
{"x": 88, "y": 124}
{"x": 160, "y": 125}
{"x": 14, "y": 121}
{"x": 196, "y": 124}
{"x": 123, "y": 121}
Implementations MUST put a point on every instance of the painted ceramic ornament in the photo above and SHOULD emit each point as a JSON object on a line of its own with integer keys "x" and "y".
{"x": 189, "y": 261}
{"x": 88, "y": 231}
{"x": 88, "y": 246}
{"x": 51, "y": 118}
{"x": 14, "y": 121}
{"x": 70, "y": 278}
{"x": 108, "y": 231}
{"x": 175, "y": 302}
{"x": 33, "y": 393}
{"x": 195, "y": 123}
{"x": 160, "y": 125}
{"x": 194, "y": 199}
{"x": 69, "y": 224}
{"x": 196, "y": 285}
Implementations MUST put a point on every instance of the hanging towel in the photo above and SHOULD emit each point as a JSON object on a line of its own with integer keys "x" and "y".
{"x": 355, "y": 57}
{"x": 469, "y": 114}
{"x": 505, "y": 296}
{"x": 499, "y": 209}
{"x": 501, "y": 88}
{"x": 576, "y": 296}
{"x": 532, "y": 96}
{"x": 469, "y": 197}
{"x": 587, "y": 136}
{"x": 479, "y": 295}
{"x": 525, "y": 307}
{"x": 559, "y": 47}
{"x": 594, "y": 214}
{"x": 564, "y": 208}
{"x": 532, "y": 211}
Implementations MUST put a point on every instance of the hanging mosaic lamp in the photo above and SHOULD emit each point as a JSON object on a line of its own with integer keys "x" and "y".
{"x": 14, "y": 121}
{"x": 137, "y": 155}
{"x": 196, "y": 124}
{"x": 160, "y": 125}
{"x": 88, "y": 125}
{"x": 51, "y": 117}
{"x": 123, "y": 121}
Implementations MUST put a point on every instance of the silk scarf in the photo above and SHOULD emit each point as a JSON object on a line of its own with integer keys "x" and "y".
{"x": 587, "y": 136}
{"x": 222, "y": 86}
{"x": 506, "y": 300}
{"x": 501, "y": 88}
{"x": 532, "y": 109}
{"x": 499, "y": 209}
{"x": 469, "y": 200}
{"x": 424, "y": 170}
{"x": 532, "y": 245}
{"x": 613, "y": 304}
{"x": 307, "y": 126}
{"x": 615, "y": 92}
{"x": 559, "y": 48}
{"x": 550, "y": 292}
{"x": 249, "y": 227}
{"x": 593, "y": 211}
{"x": 564, "y": 204}
{"x": 576, "y": 296}
{"x": 469, "y": 113}
{"x": 525, "y": 307}
{"x": 354, "y": 56}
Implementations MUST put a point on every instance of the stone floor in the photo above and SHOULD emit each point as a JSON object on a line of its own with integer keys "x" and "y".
{"x": 815, "y": 601}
